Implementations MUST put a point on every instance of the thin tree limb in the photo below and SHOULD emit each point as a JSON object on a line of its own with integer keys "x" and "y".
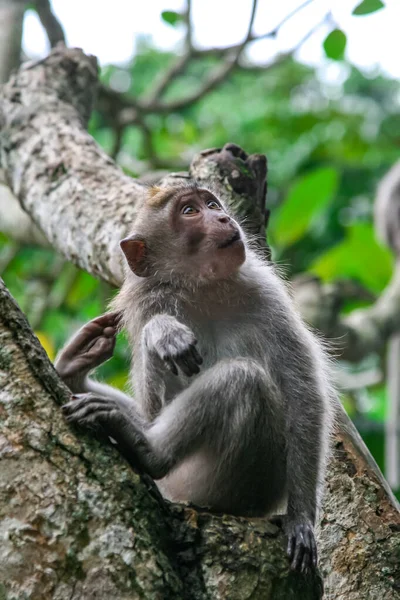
{"x": 213, "y": 80}
{"x": 50, "y": 23}
{"x": 272, "y": 33}
{"x": 219, "y": 75}
{"x": 179, "y": 65}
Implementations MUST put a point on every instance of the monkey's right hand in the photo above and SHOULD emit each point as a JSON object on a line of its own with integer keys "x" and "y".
{"x": 90, "y": 347}
{"x": 174, "y": 343}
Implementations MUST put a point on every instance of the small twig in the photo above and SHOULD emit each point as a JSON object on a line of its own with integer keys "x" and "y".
{"x": 129, "y": 109}
{"x": 215, "y": 51}
{"x": 147, "y": 142}
{"x": 179, "y": 65}
{"x": 177, "y": 68}
{"x": 187, "y": 17}
{"x": 283, "y": 56}
{"x": 51, "y": 24}
{"x": 119, "y": 134}
{"x": 219, "y": 74}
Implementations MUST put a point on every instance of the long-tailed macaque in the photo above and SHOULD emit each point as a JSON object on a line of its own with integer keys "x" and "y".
{"x": 233, "y": 404}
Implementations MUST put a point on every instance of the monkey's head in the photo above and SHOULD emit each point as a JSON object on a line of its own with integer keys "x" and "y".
{"x": 184, "y": 231}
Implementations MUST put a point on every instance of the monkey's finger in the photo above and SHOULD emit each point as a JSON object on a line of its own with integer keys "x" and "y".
{"x": 298, "y": 552}
{"x": 100, "y": 351}
{"x": 111, "y": 319}
{"x": 91, "y": 420}
{"x": 95, "y": 411}
{"x": 87, "y": 335}
{"x": 83, "y": 340}
{"x": 83, "y": 402}
{"x": 184, "y": 367}
{"x": 171, "y": 365}
{"x": 191, "y": 362}
{"x": 197, "y": 357}
{"x": 306, "y": 562}
{"x": 291, "y": 546}
{"x": 187, "y": 365}
{"x": 314, "y": 551}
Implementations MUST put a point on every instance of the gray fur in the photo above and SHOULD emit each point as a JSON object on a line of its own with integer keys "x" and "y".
{"x": 249, "y": 317}
{"x": 251, "y": 431}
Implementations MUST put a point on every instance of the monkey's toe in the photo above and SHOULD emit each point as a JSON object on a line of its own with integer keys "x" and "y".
{"x": 88, "y": 409}
{"x": 302, "y": 548}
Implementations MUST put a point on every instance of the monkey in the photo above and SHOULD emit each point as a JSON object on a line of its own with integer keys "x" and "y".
{"x": 233, "y": 403}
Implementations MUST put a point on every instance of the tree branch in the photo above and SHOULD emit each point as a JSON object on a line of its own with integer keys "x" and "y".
{"x": 68, "y": 162}
{"x": 213, "y": 80}
{"x": 50, "y": 23}
{"x": 272, "y": 33}
{"x": 154, "y": 105}
{"x": 85, "y": 204}
{"x": 179, "y": 65}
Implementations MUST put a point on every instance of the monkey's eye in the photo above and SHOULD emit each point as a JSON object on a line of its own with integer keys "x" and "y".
{"x": 189, "y": 210}
{"x": 213, "y": 205}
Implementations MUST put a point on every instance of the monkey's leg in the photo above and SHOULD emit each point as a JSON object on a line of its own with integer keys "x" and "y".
{"x": 230, "y": 408}
{"x": 222, "y": 404}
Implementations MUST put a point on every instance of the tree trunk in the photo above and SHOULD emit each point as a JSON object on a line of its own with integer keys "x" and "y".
{"x": 76, "y": 522}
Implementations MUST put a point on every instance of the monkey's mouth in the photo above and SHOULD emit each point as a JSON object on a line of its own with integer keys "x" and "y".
{"x": 230, "y": 241}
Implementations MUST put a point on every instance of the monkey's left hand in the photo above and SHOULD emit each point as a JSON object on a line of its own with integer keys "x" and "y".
{"x": 90, "y": 347}
{"x": 301, "y": 548}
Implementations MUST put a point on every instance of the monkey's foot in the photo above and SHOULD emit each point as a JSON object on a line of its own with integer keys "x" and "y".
{"x": 302, "y": 547}
{"x": 95, "y": 412}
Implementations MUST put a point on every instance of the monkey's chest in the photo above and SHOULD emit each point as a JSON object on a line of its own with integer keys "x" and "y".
{"x": 227, "y": 337}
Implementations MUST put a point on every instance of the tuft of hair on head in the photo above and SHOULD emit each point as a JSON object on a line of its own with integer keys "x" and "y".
{"x": 158, "y": 196}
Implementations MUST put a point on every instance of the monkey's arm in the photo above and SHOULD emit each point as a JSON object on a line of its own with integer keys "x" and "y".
{"x": 166, "y": 343}
{"x": 307, "y": 427}
{"x": 167, "y": 347}
{"x": 92, "y": 345}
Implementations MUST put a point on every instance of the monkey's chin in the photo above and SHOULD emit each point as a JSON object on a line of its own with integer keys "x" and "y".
{"x": 226, "y": 264}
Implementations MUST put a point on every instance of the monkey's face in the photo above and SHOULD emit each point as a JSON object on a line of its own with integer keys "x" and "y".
{"x": 190, "y": 234}
{"x": 208, "y": 242}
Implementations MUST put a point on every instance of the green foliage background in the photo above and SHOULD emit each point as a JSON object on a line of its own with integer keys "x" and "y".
{"x": 327, "y": 144}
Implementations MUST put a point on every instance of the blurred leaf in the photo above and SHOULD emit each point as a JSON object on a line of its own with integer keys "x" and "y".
{"x": 367, "y": 7}
{"x": 171, "y": 17}
{"x": 119, "y": 380}
{"x": 335, "y": 44}
{"x": 359, "y": 256}
{"x": 47, "y": 344}
{"x": 306, "y": 199}
{"x": 377, "y": 403}
{"x": 83, "y": 288}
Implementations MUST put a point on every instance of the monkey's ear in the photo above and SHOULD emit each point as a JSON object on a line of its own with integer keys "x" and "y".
{"x": 135, "y": 250}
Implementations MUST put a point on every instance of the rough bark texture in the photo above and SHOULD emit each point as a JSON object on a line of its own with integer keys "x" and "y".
{"x": 76, "y": 523}
{"x": 69, "y": 504}
{"x": 69, "y": 186}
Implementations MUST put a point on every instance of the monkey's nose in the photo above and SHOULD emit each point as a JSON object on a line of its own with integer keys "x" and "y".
{"x": 224, "y": 218}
